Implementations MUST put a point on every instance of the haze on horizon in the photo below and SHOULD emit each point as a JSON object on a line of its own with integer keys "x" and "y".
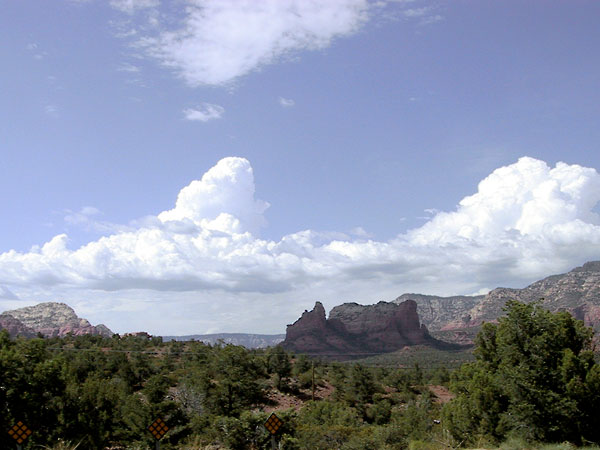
{"x": 203, "y": 167}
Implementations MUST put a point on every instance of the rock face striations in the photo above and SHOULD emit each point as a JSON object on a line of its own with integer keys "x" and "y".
{"x": 577, "y": 292}
{"x": 355, "y": 330}
{"x": 436, "y": 312}
{"x": 50, "y": 319}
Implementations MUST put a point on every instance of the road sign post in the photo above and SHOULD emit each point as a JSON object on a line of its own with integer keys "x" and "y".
{"x": 158, "y": 429}
{"x": 19, "y": 433}
{"x": 272, "y": 424}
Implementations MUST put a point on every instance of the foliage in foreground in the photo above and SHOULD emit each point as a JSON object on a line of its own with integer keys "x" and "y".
{"x": 534, "y": 380}
{"x": 94, "y": 393}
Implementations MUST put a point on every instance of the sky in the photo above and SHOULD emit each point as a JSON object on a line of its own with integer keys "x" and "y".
{"x": 195, "y": 166}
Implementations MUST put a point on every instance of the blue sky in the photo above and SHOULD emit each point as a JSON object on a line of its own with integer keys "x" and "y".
{"x": 192, "y": 166}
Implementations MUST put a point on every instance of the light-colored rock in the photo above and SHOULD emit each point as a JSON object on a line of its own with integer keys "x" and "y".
{"x": 577, "y": 292}
{"x": 55, "y": 319}
{"x": 436, "y": 312}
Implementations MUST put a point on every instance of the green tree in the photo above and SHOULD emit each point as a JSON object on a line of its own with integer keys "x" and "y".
{"x": 278, "y": 362}
{"x": 234, "y": 385}
{"x": 360, "y": 386}
{"x": 534, "y": 377}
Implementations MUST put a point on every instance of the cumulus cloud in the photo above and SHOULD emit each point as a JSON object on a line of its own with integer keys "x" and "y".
{"x": 525, "y": 220}
{"x": 528, "y": 198}
{"x": 222, "y": 200}
{"x": 204, "y": 113}
{"x": 220, "y": 41}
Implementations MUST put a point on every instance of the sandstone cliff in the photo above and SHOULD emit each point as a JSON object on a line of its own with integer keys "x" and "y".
{"x": 436, "y": 312}
{"x": 357, "y": 330}
{"x": 50, "y": 319}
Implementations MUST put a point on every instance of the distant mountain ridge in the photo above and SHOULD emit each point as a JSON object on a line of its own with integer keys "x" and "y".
{"x": 50, "y": 319}
{"x": 244, "y": 339}
{"x": 577, "y": 291}
{"x": 454, "y": 319}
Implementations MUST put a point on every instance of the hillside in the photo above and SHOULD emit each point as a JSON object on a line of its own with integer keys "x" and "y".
{"x": 577, "y": 292}
{"x": 50, "y": 319}
{"x": 451, "y": 318}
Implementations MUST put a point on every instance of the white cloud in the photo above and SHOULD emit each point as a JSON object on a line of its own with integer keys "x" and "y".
{"x": 204, "y": 113}
{"x": 223, "y": 198}
{"x": 527, "y": 197}
{"x": 286, "y": 102}
{"x": 132, "y": 6}
{"x": 220, "y": 41}
{"x": 525, "y": 221}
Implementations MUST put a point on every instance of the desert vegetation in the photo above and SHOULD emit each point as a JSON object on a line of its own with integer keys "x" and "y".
{"x": 532, "y": 383}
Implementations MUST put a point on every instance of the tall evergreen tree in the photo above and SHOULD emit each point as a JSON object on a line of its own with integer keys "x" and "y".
{"x": 534, "y": 377}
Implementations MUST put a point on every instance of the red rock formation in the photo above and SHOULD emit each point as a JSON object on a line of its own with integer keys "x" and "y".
{"x": 355, "y": 330}
{"x": 313, "y": 333}
{"x": 15, "y": 327}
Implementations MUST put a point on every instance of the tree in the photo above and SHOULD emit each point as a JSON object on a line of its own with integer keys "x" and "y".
{"x": 360, "y": 386}
{"x": 534, "y": 377}
{"x": 234, "y": 384}
{"x": 278, "y": 362}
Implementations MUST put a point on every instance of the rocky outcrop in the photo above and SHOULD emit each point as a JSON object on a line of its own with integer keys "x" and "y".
{"x": 436, "y": 312}
{"x": 577, "y": 292}
{"x": 15, "y": 327}
{"x": 354, "y": 330}
{"x": 50, "y": 319}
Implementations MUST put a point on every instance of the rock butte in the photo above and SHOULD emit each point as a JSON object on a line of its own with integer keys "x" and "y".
{"x": 354, "y": 330}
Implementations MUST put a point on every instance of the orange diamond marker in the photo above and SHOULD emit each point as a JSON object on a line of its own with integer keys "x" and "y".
{"x": 273, "y": 423}
{"x": 158, "y": 429}
{"x": 19, "y": 432}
